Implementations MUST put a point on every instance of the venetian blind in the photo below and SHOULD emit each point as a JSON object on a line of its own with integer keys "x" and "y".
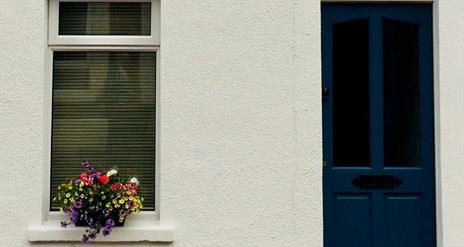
{"x": 100, "y": 18}
{"x": 104, "y": 111}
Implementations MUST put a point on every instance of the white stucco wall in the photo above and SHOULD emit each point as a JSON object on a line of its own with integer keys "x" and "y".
{"x": 240, "y": 121}
{"x": 450, "y": 119}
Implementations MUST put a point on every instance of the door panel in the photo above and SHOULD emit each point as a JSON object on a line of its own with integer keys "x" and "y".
{"x": 402, "y": 229}
{"x": 378, "y": 125}
{"x": 349, "y": 208}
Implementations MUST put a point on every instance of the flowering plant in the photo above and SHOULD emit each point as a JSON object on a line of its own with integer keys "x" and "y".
{"x": 98, "y": 200}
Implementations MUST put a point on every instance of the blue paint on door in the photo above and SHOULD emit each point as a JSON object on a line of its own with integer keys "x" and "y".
{"x": 378, "y": 125}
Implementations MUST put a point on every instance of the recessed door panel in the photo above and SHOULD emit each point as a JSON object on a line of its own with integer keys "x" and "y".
{"x": 349, "y": 208}
{"x": 403, "y": 220}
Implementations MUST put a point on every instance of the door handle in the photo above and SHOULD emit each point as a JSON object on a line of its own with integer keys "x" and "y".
{"x": 325, "y": 93}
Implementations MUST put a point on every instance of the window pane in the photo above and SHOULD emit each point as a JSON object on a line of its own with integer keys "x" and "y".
{"x": 112, "y": 18}
{"x": 104, "y": 111}
{"x": 351, "y": 93}
{"x": 401, "y": 93}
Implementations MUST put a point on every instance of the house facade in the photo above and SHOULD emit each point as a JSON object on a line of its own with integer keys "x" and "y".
{"x": 240, "y": 139}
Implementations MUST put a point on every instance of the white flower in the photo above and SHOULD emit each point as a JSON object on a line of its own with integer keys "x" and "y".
{"x": 111, "y": 172}
{"x": 134, "y": 180}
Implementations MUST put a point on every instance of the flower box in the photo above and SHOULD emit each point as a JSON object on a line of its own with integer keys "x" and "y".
{"x": 98, "y": 201}
{"x": 81, "y": 223}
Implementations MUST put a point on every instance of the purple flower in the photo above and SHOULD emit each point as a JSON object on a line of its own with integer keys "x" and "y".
{"x": 64, "y": 224}
{"x": 109, "y": 223}
{"x": 106, "y": 231}
{"x": 73, "y": 216}
{"x": 85, "y": 164}
{"x": 77, "y": 204}
{"x": 84, "y": 239}
{"x": 92, "y": 172}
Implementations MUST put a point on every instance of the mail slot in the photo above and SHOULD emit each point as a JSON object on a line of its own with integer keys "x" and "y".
{"x": 369, "y": 182}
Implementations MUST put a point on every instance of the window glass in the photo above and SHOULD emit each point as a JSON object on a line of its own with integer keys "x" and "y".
{"x": 104, "y": 18}
{"x": 401, "y": 93}
{"x": 351, "y": 93}
{"x": 104, "y": 112}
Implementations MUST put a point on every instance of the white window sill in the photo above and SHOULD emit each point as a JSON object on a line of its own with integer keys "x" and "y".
{"x": 147, "y": 232}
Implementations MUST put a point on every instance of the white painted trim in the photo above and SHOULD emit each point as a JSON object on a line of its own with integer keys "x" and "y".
{"x": 47, "y": 130}
{"x": 158, "y": 135}
{"x": 437, "y": 129}
{"x": 144, "y": 226}
{"x": 103, "y": 0}
{"x": 55, "y": 39}
{"x": 377, "y": 1}
{"x": 102, "y": 48}
{"x": 131, "y": 232}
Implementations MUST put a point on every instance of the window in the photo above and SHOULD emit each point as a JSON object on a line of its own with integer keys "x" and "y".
{"x": 103, "y": 60}
{"x": 104, "y": 22}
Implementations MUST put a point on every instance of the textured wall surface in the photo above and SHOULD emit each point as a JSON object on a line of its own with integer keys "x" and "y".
{"x": 451, "y": 120}
{"x": 240, "y": 122}
{"x": 22, "y": 40}
{"x": 241, "y": 147}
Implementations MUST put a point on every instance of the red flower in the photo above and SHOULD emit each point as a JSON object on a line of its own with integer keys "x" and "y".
{"x": 115, "y": 186}
{"x": 103, "y": 179}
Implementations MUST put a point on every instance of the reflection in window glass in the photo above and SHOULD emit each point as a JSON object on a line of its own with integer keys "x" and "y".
{"x": 401, "y": 93}
{"x": 100, "y": 18}
{"x": 351, "y": 93}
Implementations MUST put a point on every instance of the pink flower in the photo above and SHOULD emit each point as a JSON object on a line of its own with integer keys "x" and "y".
{"x": 86, "y": 179}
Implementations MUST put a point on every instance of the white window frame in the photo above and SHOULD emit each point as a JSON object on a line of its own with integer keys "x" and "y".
{"x": 55, "y": 215}
{"x": 55, "y": 39}
{"x": 146, "y": 225}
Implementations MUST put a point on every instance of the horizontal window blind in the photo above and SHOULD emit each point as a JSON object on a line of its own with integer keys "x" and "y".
{"x": 104, "y": 111}
{"x": 99, "y": 18}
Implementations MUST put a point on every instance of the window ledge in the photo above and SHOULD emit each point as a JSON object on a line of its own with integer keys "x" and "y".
{"x": 52, "y": 231}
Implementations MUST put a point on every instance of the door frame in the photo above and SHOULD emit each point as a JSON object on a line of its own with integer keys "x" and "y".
{"x": 436, "y": 101}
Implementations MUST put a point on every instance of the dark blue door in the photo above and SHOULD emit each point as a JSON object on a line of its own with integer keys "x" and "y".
{"x": 378, "y": 125}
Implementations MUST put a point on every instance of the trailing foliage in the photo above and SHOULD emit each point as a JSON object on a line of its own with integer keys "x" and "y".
{"x": 98, "y": 200}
